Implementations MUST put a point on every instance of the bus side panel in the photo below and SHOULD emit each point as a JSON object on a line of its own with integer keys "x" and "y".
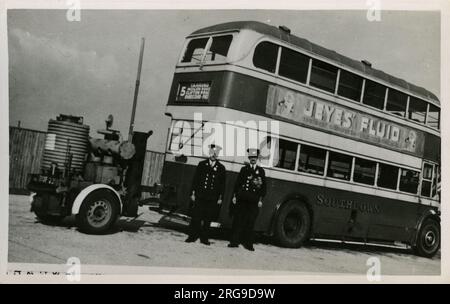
{"x": 337, "y": 214}
{"x": 346, "y": 215}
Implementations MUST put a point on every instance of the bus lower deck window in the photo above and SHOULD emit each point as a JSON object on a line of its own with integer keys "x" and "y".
{"x": 417, "y": 110}
{"x": 339, "y": 166}
{"x": 364, "y": 171}
{"x": 427, "y": 176}
{"x": 265, "y": 56}
{"x": 350, "y": 85}
{"x": 293, "y": 65}
{"x": 409, "y": 181}
{"x": 312, "y": 160}
{"x": 287, "y": 154}
{"x": 374, "y": 94}
{"x": 387, "y": 176}
{"x": 323, "y": 76}
{"x": 396, "y": 102}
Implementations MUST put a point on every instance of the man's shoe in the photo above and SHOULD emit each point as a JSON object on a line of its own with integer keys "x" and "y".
{"x": 232, "y": 245}
{"x": 190, "y": 240}
{"x": 205, "y": 242}
{"x": 249, "y": 247}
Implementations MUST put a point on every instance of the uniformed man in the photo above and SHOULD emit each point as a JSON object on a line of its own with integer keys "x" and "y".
{"x": 249, "y": 191}
{"x": 207, "y": 192}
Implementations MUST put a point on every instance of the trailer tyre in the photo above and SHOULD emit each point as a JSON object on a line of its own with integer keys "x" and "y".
{"x": 98, "y": 212}
{"x": 428, "y": 239}
{"x": 292, "y": 224}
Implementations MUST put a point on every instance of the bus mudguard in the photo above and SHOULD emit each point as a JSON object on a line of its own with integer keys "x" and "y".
{"x": 88, "y": 190}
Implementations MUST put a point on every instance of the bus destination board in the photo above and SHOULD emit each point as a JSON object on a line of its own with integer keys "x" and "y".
{"x": 193, "y": 91}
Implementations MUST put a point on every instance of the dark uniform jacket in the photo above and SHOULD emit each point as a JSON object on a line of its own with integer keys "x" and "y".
{"x": 250, "y": 185}
{"x": 209, "y": 182}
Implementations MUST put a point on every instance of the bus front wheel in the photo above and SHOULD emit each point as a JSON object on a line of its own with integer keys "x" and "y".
{"x": 428, "y": 239}
{"x": 292, "y": 224}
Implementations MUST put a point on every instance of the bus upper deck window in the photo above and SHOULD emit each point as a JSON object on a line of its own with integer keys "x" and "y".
{"x": 293, "y": 65}
{"x": 396, "y": 102}
{"x": 323, "y": 76}
{"x": 195, "y": 49}
{"x": 339, "y": 166}
{"x": 312, "y": 160}
{"x": 219, "y": 48}
{"x": 409, "y": 181}
{"x": 265, "y": 56}
{"x": 387, "y": 176}
{"x": 417, "y": 110}
{"x": 374, "y": 94}
{"x": 350, "y": 85}
{"x": 433, "y": 117}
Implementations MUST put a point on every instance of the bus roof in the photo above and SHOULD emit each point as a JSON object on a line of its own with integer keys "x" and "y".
{"x": 319, "y": 50}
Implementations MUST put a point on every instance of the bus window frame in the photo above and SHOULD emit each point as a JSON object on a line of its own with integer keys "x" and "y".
{"x": 431, "y": 180}
{"x": 206, "y": 49}
{"x": 364, "y": 77}
{"x": 324, "y": 176}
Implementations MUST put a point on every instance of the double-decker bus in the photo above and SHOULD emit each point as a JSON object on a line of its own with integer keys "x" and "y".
{"x": 351, "y": 153}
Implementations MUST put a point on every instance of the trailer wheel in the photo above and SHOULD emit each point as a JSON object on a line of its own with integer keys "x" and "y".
{"x": 428, "y": 239}
{"x": 98, "y": 212}
{"x": 292, "y": 224}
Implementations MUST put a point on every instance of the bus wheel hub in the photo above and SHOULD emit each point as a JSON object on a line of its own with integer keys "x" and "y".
{"x": 430, "y": 238}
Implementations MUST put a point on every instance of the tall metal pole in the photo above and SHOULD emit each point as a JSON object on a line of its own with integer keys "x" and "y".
{"x": 136, "y": 90}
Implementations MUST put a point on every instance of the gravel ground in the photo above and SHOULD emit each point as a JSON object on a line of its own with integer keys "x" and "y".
{"x": 146, "y": 242}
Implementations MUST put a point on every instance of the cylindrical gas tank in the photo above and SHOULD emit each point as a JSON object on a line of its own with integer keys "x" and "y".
{"x": 67, "y": 134}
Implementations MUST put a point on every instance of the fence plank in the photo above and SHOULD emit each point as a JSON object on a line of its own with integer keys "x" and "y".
{"x": 25, "y": 153}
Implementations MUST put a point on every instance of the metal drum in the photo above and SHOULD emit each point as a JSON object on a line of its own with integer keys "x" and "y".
{"x": 67, "y": 134}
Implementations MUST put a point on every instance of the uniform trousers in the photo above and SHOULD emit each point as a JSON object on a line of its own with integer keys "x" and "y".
{"x": 244, "y": 218}
{"x": 202, "y": 215}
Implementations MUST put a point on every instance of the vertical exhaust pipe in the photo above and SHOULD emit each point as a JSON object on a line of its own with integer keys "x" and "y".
{"x": 136, "y": 90}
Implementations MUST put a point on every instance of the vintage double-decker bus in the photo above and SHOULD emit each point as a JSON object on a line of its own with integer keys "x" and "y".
{"x": 351, "y": 153}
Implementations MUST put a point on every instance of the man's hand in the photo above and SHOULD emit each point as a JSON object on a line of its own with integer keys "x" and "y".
{"x": 234, "y": 200}
{"x": 219, "y": 201}
{"x": 259, "y": 204}
{"x": 193, "y": 197}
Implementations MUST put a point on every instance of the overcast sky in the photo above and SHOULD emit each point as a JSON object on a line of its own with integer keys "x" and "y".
{"x": 88, "y": 68}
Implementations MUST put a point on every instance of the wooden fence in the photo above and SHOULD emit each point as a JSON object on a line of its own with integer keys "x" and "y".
{"x": 26, "y": 149}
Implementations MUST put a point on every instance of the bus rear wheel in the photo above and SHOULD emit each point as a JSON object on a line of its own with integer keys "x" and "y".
{"x": 428, "y": 239}
{"x": 292, "y": 225}
{"x": 98, "y": 212}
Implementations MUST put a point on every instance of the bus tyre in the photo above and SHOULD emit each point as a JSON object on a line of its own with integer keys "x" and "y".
{"x": 292, "y": 225}
{"x": 98, "y": 212}
{"x": 428, "y": 239}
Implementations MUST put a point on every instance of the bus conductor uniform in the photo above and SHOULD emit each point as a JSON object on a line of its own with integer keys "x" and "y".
{"x": 208, "y": 187}
{"x": 249, "y": 191}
